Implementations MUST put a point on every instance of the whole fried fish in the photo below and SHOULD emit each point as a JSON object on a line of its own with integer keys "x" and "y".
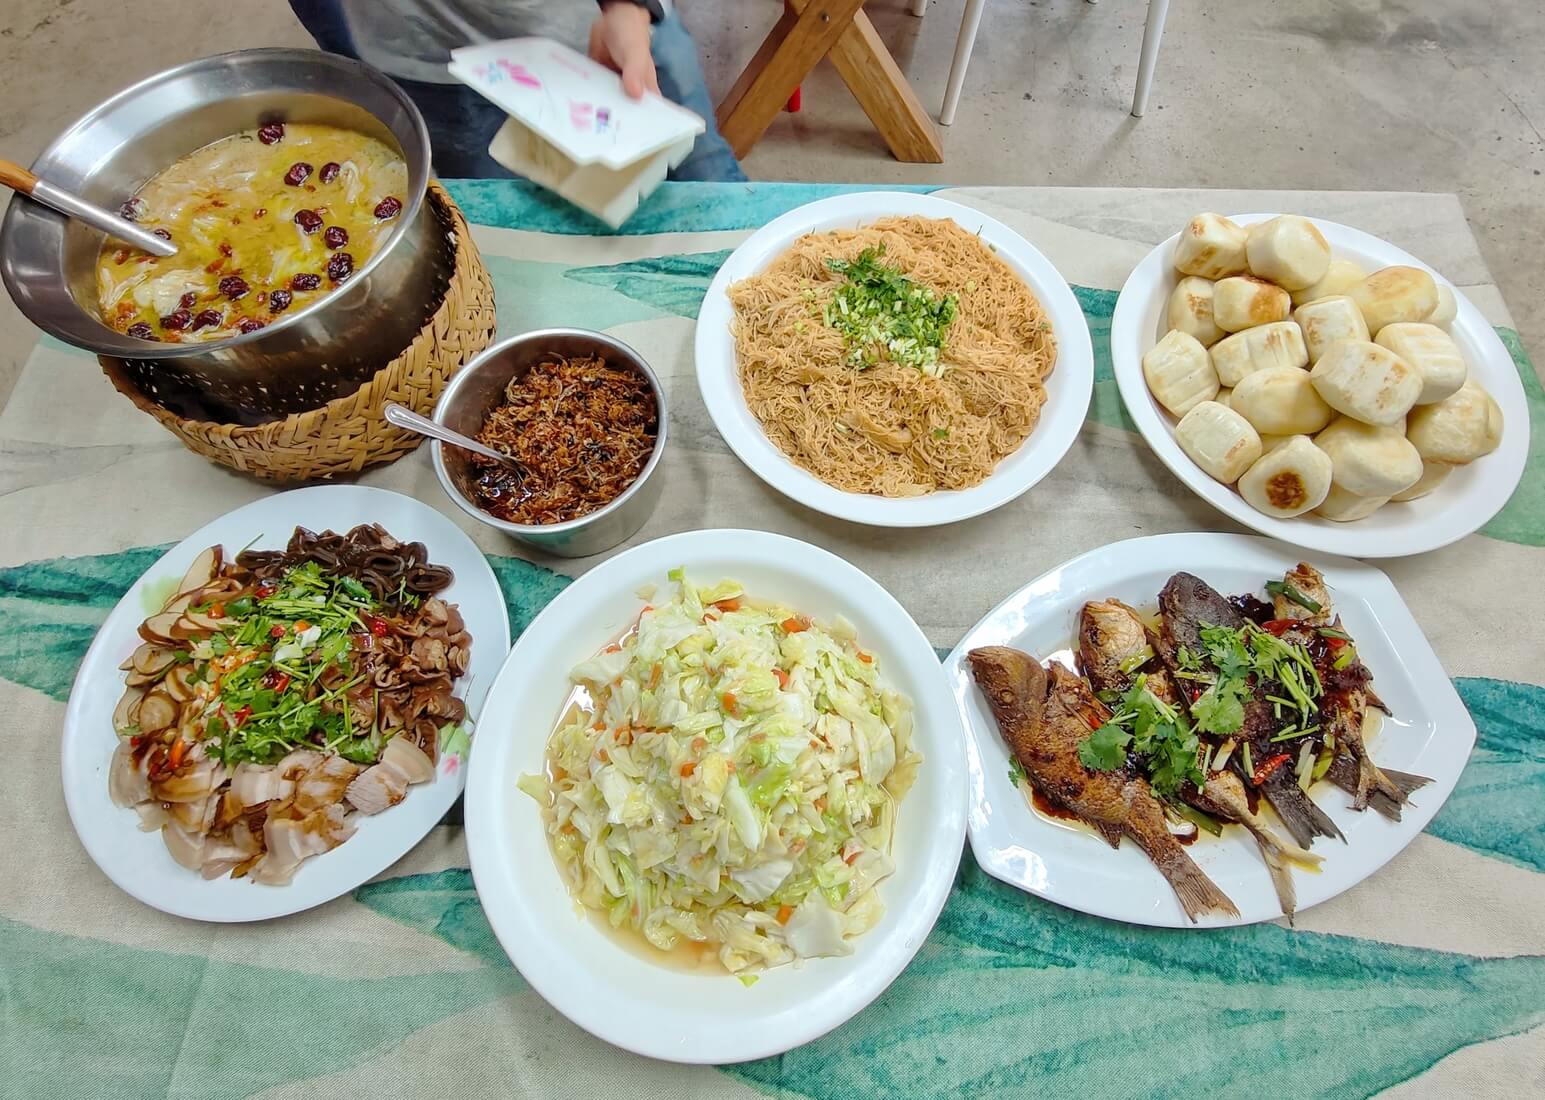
{"x": 1113, "y": 642}
{"x": 1344, "y": 704}
{"x": 1187, "y": 604}
{"x": 1044, "y": 715}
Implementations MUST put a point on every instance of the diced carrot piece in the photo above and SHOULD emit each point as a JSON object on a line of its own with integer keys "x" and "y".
{"x": 699, "y": 744}
{"x": 866, "y": 658}
{"x": 603, "y": 756}
{"x": 728, "y": 699}
{"x": 820, "y": 804}
{"x": 782, "y": 677}
{"x": 793, "y": 626}
{"x": 784, "y": 913}
{"x": 687, "y": 769}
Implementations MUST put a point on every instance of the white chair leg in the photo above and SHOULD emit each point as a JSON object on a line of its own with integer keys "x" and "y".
{"x": 918, "y": 7}
{"x": 1152, "y": 32}
{"x": 968, "y": 27}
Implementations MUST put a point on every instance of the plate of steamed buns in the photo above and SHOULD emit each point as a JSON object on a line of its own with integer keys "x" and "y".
{"x": 1319, "y": 384}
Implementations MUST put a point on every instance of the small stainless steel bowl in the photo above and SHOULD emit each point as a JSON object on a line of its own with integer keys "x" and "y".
{"x": 301, "y": 360}
{"x": 478, "y": 388}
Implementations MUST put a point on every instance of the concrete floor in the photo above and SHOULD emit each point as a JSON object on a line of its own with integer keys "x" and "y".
{"x": 1419, "y": 95}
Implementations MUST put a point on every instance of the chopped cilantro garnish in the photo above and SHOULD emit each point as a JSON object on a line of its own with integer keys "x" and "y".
{"x": 883, "y": 316}
{"x": 291, "y": 674}
{"x": 1105, "y": 749}
{"x": 1226, "y": 650}
{"x": 1221, "y": 709}
{"x": 1156, "y": 732}
{"x": 1016, "y": 771}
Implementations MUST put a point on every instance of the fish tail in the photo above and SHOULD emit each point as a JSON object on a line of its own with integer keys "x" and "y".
{"x": 1298, "y": 812}
{"x": 1371, "y": 778}
{"x": 1367, "y": 782}
{"x": 1277, "y": 852}
{"x": 1281, "y": 848}
{"x": 1281, "y": 877}
{"x": 1198, "y": 894}
{"x": 1404, "y": 781}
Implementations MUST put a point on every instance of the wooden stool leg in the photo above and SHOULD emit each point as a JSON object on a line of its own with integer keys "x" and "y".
{"x": 881, "y": 88}
{"x": 788, "y": 53}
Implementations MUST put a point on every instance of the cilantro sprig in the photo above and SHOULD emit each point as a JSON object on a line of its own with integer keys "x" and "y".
{"x": 1156, "y": 732}
{"x": 289, "y": 685}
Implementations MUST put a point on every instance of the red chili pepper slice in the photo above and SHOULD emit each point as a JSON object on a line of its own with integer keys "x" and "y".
{"x": 241, "y": 716}
{"x": 1335, "y": 643}
{"x": 1269, "y": 765}
{"x": 266, "y": 589}
{"x": 1279, "y": 627}
{"x": 379, "y": 627}
{"x": 276, "y": 631}
{"x": 276, "y": 679}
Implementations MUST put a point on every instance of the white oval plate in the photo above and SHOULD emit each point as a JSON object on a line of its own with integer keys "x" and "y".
{"x": 1067, "y": 390}
{"x": 1430, "y": 734}
{"x": 138, "y": 862}
{"x": 603, "y": 986}
{"x": 1462, "y": 504}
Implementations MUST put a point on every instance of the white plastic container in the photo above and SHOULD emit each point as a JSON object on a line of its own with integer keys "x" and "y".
{"x": 572, "y": 128}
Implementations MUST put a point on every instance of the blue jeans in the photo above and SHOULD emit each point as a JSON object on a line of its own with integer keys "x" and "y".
{"x": 462, "y": 123}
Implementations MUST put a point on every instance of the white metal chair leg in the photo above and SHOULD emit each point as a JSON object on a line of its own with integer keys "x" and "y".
{"x": 1152, "y": 32}
{"x": 968, "y": 27}
{"x": 918, "y": 7}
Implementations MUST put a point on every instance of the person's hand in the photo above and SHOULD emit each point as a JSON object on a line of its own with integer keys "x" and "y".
{"x": 619, "y": 39}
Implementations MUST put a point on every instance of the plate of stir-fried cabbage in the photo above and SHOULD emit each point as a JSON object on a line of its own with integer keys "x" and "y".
{"x": 722, "y": 777}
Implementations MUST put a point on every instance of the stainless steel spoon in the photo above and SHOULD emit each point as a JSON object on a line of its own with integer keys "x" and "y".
{"x": 17, "y": 178}
{"x": 404, "y": 417}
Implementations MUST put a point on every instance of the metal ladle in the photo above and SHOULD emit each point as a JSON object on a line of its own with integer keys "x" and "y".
{"x": 20, "y": 179}
{"x": 404, "y": 417}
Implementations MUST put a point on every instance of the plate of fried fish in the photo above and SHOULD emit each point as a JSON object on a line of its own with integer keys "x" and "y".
{"x": 1202, "y": 730}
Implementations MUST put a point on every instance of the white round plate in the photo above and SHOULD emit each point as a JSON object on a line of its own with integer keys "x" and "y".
{"x": 584, "y": 972}
{"x": 1462, "y": 504}
{"x": 1067, "y": 390}
{"x": 1430, "y": 734}
{"x": 138, "y": 862}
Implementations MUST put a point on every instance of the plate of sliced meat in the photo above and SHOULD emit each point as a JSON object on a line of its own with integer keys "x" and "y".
{"x": 1202, "y": 730}
{"x": 279, "y": 708}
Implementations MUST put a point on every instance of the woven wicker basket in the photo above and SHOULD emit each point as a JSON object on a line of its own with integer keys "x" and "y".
{"x": 349, "y": 434}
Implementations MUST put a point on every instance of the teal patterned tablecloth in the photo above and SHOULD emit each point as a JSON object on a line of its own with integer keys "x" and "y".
{"x": 1427, "y": 979}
